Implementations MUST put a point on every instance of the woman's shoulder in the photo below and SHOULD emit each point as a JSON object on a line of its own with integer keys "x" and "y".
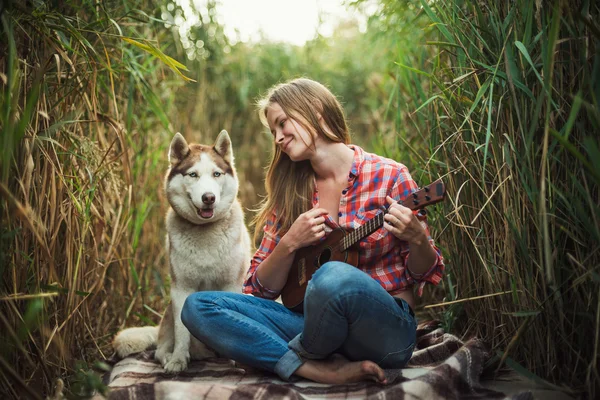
{"x": 376, "y": 162}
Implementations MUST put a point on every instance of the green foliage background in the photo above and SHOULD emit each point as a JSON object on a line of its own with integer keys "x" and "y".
{"x": 498, "y": 98}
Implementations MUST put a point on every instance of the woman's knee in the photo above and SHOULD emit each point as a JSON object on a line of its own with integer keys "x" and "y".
{"x": 195, "y": 307}
{"x": 334, "y": 278}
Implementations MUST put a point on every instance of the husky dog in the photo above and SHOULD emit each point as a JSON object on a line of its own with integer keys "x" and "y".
{"x": 207, "y": 242}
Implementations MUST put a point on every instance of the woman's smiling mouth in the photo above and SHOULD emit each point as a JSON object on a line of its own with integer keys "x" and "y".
{"x": 285, "y": 145}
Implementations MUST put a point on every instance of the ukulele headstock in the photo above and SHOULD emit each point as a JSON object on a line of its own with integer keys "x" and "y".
{"x": 427, "y": 195}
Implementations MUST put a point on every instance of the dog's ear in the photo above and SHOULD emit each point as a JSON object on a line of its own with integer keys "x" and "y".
{"x": 223, "y": 146}
{"x": 178, "y": 149}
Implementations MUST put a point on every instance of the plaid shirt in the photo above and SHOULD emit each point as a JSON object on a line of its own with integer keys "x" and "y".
{"x": 381, "y": 255}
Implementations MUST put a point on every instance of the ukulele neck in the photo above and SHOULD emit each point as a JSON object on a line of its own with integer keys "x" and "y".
{"x": 362, "y": 231}
{"x": 430, "y": 194}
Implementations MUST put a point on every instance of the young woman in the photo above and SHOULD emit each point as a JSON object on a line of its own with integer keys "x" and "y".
{"x": 356, "y": 321}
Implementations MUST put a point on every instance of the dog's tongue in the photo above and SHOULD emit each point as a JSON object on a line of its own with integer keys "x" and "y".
{"x": 206, "y": 213}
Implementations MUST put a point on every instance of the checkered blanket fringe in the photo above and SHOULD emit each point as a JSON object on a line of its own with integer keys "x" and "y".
{"x": 442, "y": 367}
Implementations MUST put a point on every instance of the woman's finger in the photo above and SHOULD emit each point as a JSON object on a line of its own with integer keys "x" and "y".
{"x": 315, "y": 212}
{"x": 390, "y": 200}
{"x": 392, "y": 220}
{"x": 390, "y": 228}
{"x": 319, "y": 220}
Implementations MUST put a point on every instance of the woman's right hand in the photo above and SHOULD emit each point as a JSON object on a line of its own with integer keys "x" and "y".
{"x": 306, "y": 229}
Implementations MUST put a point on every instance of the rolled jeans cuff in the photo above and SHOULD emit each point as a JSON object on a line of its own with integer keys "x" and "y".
{"x": 296, "y": 345}
{"x": 288, "y": 364}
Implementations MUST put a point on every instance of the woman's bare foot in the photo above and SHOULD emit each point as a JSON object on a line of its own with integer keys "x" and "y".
{"x": 339, "y": 370}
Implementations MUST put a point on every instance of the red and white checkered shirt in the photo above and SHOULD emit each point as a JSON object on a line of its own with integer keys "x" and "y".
{"x": 381, "y": 255}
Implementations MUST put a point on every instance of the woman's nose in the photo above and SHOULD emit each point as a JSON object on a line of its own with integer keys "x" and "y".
{"x": 278, "y": 136}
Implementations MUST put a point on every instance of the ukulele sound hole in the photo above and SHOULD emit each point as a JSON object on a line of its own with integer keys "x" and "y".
{"x": 324, "y": 256}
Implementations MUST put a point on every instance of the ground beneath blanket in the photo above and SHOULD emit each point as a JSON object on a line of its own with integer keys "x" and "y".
{"x": 512, "y": 383}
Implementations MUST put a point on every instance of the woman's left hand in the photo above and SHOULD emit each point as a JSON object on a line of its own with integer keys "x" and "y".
{"x": 403, "y": 223}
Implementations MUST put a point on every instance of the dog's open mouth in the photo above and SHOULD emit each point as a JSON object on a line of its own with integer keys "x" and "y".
{"x": 206, "y": 212}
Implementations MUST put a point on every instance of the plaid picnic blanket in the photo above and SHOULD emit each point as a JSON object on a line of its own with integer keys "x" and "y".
{"x": 442, "y": 367}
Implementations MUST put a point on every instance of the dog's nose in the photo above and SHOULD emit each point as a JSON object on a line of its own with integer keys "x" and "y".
{"x": 208, "y": 198}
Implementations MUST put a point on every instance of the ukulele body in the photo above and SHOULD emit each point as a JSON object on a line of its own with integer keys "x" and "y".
{"x": 308, "y": 260}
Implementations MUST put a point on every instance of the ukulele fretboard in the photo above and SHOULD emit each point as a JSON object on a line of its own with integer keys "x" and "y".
{"x": 362, "y": 231}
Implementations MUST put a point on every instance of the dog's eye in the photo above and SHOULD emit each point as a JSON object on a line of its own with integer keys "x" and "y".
{"x": 217, "y": 174}
{"x": 193, "y": 175}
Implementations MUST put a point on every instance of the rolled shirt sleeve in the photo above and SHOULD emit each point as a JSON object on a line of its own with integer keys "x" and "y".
{"x": 434, "y": 273}
{"x": 404, "y": 186}
{"x": 251, "y": 284}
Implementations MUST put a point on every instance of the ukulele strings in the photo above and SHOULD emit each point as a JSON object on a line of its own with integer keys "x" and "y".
{"x": 342, "y": 245}
{"x": 358, "y": 232}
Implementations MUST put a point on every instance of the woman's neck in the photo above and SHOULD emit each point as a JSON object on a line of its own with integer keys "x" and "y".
{"x": 332, "y": 161}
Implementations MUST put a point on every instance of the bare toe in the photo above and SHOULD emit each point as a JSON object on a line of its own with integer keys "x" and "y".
{"x": 373, "y": 371}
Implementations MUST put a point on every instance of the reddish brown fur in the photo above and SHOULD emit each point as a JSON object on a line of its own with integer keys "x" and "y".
{"x": 193, "y": 156}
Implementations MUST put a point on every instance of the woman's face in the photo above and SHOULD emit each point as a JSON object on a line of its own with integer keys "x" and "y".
{"x": 289, "y": 135}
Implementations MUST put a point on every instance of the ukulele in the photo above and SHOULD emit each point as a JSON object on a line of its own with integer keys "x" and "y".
{"x": 339, "y": 246}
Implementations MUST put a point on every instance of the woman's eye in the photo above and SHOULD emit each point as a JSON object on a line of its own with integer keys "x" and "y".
{"x": 193, "y": 175}
{"x": 216, "y": 174}
{"x": 282, "y": 123}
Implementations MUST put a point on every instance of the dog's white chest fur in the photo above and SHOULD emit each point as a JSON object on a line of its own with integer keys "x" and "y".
{"x": 208, "y": 257}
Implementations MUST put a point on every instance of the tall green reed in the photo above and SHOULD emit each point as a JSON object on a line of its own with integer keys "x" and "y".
{"x": 512, "y": 120}
{"x": 74, "y": 193}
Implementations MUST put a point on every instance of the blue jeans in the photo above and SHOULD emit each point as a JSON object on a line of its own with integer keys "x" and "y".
{"x": 345, "y": 311}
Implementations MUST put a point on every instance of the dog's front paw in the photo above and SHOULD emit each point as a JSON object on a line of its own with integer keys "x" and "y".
{"x": 163, "y": 356}
{"x": 177, "y": 363}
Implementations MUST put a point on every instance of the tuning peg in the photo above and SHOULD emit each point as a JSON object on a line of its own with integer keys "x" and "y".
{"x": 427, "y": 197}
{"x": 421, "y": 215}
{"x": 426, "y": 189}
{"x": 415, "y": 202}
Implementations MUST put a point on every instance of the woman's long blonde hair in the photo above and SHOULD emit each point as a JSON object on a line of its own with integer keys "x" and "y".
{"x": 290, "y": 185}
